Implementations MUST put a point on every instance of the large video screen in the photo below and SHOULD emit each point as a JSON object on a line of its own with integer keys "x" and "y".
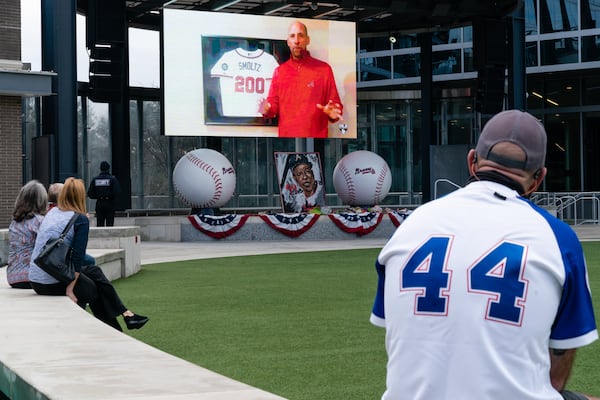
{"x": 218, "y": 67}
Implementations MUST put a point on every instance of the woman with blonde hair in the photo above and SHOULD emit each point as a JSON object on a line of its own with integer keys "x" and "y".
{"x": 30, "y": 207}
{"x": 90, "y": 285}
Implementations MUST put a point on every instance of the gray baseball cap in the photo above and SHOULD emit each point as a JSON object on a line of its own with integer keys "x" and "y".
{"x": 520, "y": 128}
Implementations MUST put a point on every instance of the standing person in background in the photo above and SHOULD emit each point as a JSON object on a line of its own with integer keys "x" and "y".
{"x": 104, "y": 189}
{"x": 303, "y": 94}
{"x": 90, "y": 285}
{"x": 28, "y": 213}
{"x": 483, "y": 294}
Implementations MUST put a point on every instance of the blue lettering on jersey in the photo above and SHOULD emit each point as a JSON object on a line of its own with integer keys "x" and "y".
{"x": 498, "y": 274}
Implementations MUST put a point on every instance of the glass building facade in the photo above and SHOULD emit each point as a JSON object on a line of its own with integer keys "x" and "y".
{"x": 562, "y": 60}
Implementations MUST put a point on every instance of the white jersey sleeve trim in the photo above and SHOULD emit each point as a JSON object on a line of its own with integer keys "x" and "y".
{"x": 574, "y": 343}
{"x": 375, "y": 320}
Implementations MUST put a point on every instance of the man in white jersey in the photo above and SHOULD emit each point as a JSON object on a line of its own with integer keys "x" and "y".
{"x": 244, "y": 79}
{"x": 483, "y": 294}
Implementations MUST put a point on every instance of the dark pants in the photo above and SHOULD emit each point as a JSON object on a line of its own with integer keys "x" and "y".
{"x": 105, "y": 213}
{"x": 568, "y": 395}
{"x": 93, "y": 288}
{"x": 21, "y": 285}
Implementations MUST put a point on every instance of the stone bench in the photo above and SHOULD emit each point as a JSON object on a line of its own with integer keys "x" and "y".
{"x": 53, "y": 349}
{"x": 117, "y": 249}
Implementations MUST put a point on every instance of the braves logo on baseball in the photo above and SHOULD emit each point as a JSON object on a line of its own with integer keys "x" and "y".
{"x": 362, "y": 178}
{"x": 363, "y": 171}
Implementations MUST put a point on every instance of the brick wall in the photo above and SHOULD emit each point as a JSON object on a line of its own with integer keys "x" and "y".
{"x": 10, "y": 113}
{"x": 10, "y": 155}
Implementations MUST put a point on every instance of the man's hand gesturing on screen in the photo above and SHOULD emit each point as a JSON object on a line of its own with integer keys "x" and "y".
{"x": 333, "y": 111}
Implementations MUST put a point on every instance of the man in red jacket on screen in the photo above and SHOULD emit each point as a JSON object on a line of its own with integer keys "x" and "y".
{"x": 303, "y": 94}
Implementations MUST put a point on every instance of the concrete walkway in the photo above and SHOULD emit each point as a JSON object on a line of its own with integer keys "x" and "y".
{"x": 158, "y": 252}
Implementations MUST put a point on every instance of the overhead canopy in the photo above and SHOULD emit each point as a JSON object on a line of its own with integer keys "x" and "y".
{"x": 370, "y": 15}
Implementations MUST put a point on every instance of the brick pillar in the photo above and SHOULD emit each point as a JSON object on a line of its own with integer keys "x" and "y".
{"x": 10, "y": 113}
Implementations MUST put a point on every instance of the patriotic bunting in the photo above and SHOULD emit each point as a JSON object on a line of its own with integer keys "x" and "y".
{"x": 218, "y": 227}
{"x": 359, "y": 223}
{"x": 292, "y": 225}
{"x": 398, "y": 217}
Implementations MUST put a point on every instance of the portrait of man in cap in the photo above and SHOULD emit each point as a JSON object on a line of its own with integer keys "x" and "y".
{"x": 300, "y": 182}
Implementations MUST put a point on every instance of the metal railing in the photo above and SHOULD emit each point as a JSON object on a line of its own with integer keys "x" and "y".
{"x": 576, "y": 208}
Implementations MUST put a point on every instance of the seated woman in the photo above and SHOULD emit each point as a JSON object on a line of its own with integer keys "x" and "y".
{"x": 30, "y": 207}
{"x": 90, "y": 285}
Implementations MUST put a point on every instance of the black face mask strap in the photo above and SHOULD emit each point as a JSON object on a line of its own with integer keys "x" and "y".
{"x": 497, "y": 177}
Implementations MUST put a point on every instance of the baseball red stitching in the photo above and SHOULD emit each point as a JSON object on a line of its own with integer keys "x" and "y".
{"x": 380, "y": 181}
{"x": 214, "y": 174}
{"x": 349, "y": 184}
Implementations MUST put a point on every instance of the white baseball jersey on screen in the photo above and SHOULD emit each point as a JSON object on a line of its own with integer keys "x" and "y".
{"x": 473, "y": 289}
{"x": 244, "y": 79}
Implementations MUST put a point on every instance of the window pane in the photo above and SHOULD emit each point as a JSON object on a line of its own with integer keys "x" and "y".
{"x": 590, "y": 14}
{"x": 98, "y": 138}
{"x": 393, "y": 141}
{"x": 590, "y": 48}
{"x": 459, "y": 121}
{"x": 406, "y": 65}
{"x": 135, "y": 154}
{"x": 558, "y": 15}
{"x": 530, "y": 17}
{"x": 559, "y": 51}
{"x": 144, "y": 60}
{"x": 535, "y": 92}
{"x": 375, "y": 68}
{"x": 468, "y": 33}
{"x": 374, "y": 43}
{"x": 468, "y": 55}
{"x": 446, "y": 62}
{"x": 531, "y": 54}
{"x": 562, "y": 92}
{"x": 563, "y": 155}
{"x": 405, "y": 41}
{"x": 156, "y": 162}
{"x": 446, "y": 37}
{"x": 591, "y": 90}
{"x": 591, "y": 142}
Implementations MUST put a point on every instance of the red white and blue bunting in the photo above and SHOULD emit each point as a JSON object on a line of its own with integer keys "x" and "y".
{"x": 292, "y": 225}
{"x": 218, "y": 227}
{"x": 359, "y": 223}
{"x": 398, "y": 217}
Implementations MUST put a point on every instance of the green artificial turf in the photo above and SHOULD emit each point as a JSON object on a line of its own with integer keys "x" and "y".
{"x": 292, "y": 324}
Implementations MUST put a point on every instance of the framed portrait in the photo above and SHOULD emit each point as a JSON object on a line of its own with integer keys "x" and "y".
{"x": 237, "y": 74}
{"x": 301, "y": 183}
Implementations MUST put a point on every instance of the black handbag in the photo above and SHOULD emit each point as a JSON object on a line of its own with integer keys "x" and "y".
{"x": 55, "y": 257}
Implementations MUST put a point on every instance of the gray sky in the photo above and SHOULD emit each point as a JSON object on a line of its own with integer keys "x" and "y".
{"x": 144, "y": 60}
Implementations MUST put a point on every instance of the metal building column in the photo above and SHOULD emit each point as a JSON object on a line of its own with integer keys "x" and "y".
{"x": 517, "y": 75}
{"x": 59, "y": 113}
{"x": 425, "y": 42}
{"x": 120, "y": 137}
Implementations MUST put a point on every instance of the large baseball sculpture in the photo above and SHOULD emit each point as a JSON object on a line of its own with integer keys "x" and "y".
{"x": 362, "y": 178}
{"x": 204, "y": 178}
